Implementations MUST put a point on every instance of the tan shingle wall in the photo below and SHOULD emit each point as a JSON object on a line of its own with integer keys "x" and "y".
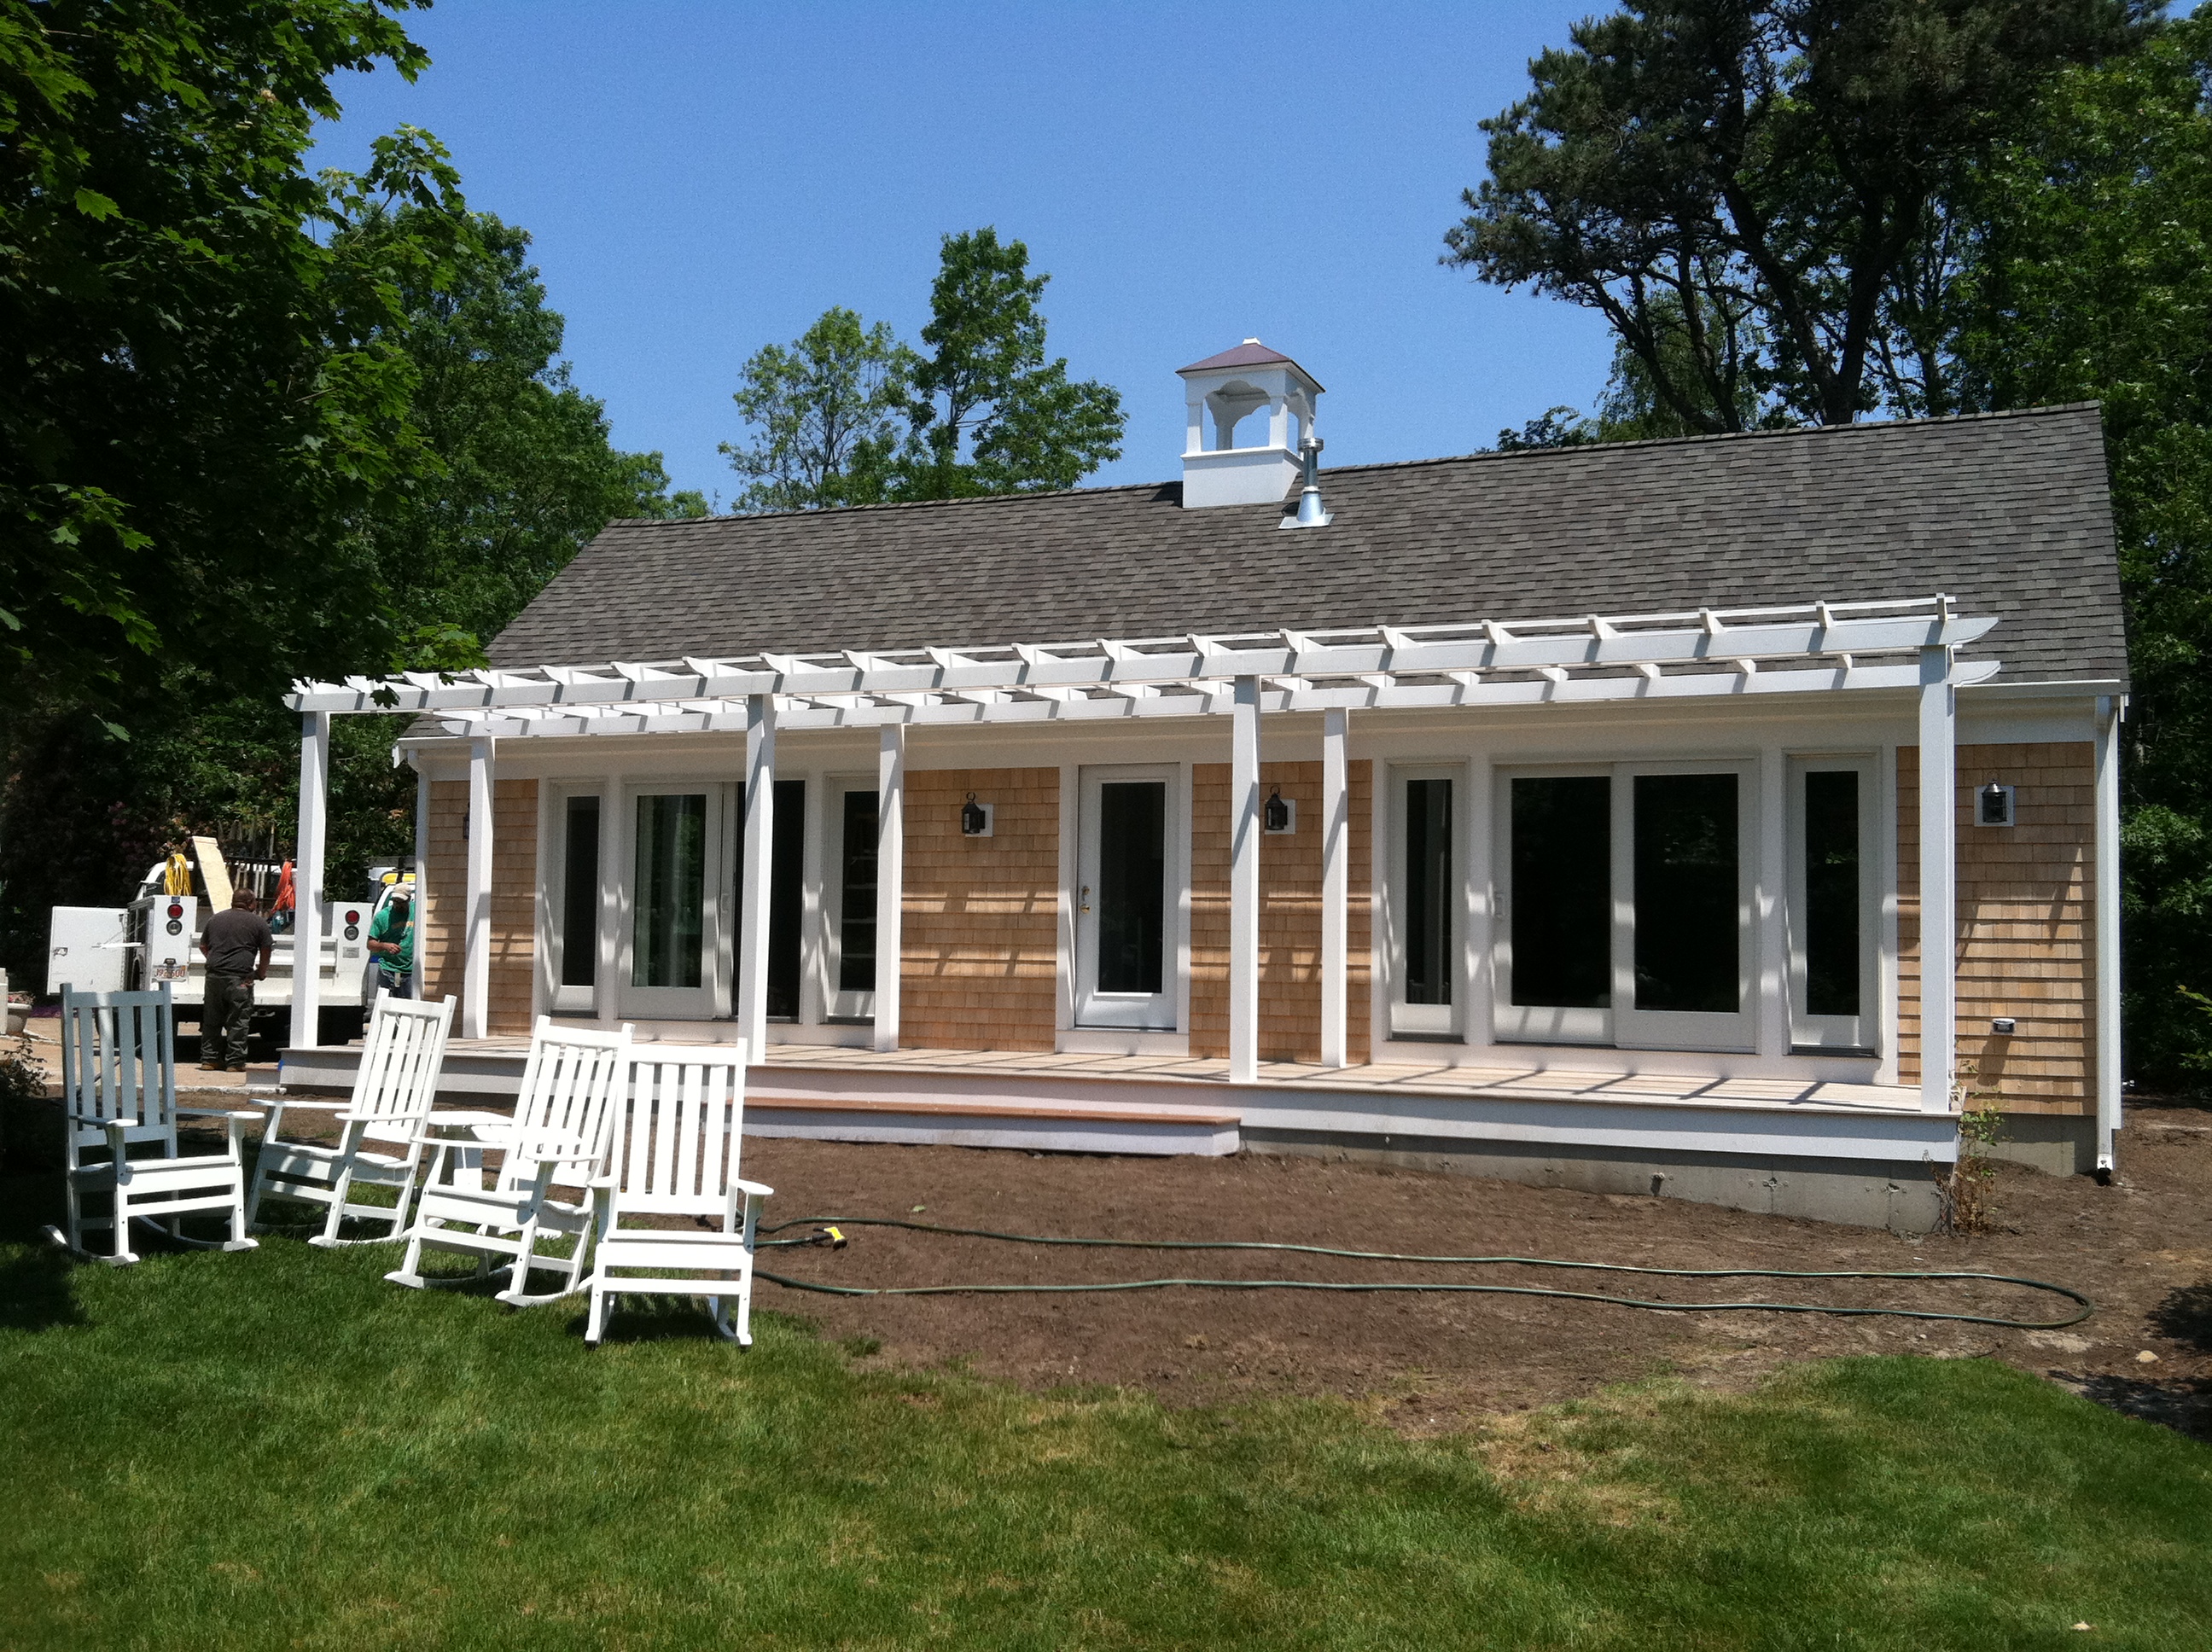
{"x": 1290, "y": 915}
{"x": 513, "y": 898}
{"x": 980, "y": 936}
{"x": 2026, "y": 925}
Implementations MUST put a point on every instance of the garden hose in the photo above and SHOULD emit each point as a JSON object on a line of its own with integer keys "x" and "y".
{"x": 829, "y": 1231}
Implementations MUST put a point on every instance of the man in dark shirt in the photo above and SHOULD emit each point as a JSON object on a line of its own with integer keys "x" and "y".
{"x": 237, "y": 945}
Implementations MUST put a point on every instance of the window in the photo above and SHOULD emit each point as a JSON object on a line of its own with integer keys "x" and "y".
{"x": 849, "y": 906}
{"x": 580, "y": 894}
{"x": 1426, "y": 891}
{"x": 668, "y": 943}
{"x": 1625, "y": 907}
{"x": 1833, "y": 904}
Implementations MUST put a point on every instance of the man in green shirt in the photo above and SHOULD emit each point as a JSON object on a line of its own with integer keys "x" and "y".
{"x": 392, "y": 944}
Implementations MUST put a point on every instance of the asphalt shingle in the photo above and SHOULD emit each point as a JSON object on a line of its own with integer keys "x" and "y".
{"x": 2007, "y": 512}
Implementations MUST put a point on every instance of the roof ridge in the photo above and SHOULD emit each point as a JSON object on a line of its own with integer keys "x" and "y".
{"x": 1483, "y": 456}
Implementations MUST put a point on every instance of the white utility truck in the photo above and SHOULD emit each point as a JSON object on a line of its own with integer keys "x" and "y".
{"x": 155, "y": 939}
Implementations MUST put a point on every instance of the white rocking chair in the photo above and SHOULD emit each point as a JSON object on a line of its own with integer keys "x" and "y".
{"x": 679, "y": 1156}
{"x": 562, "y": 1126}
{"x": 119, "y": 1086}
{"x": 381, "y": 1143}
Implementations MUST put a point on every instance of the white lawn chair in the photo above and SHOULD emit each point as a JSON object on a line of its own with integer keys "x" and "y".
{"x": 119, "y": 1086}
{"x": 563, "y": 1126}
{"x": 381, "y": 1143}
{"x": 679, "y": 1156}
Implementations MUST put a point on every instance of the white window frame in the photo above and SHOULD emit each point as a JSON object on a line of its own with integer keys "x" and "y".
{"x": 553, "y": 901}
{"x": 1425, "y": 1022}
{"x": 839, "y": 1007}
{"x": 1544, "y": 1023}
{"x": 1859, "y": 1035}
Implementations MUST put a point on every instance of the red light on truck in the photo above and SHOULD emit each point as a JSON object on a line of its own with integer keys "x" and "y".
{"x": 176, "y": 909}
{"x": 353, "y": 917}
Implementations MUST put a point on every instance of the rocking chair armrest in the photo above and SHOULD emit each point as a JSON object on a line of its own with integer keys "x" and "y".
{"x": 302, "y": 1101}
{"x": 754, "y": 1189}
{"x": 251, "y": 1113}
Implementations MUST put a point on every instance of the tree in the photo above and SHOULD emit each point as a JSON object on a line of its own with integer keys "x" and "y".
{"x": 1750, "y": 190}
{"x": 2089, "y": 276}
{"x": 985, "y": 390}
{"x": 830, "y": 409}
{"x": 517, "y": 470}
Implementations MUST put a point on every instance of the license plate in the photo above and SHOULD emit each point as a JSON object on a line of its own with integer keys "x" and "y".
{"x": 168, "y": 970}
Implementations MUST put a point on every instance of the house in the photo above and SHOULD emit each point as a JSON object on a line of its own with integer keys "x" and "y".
{"x": 1553, "y": 815}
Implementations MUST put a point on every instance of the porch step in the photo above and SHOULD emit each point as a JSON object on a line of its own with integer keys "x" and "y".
{"x": 1040, "y": 1129}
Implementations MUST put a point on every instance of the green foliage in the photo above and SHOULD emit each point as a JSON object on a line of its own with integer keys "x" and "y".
{"x": 1746, "y": 190}
{"x": 2090, "y": 278}
{"x": 983, "y": 412}
{"x": 831, "y": 410}
{"x": 258, "y": 423}
{"x": 277, "y": 1448}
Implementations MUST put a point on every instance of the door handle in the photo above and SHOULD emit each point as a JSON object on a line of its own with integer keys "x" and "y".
{"x": 1085, "y": 906}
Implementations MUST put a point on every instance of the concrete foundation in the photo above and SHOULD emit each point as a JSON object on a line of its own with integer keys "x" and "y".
{"x": 2056, "y": 1143}
{"x": 1861, "y": 1193}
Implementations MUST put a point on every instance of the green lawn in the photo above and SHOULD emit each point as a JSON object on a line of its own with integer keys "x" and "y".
{"x": 276, "y": 1448}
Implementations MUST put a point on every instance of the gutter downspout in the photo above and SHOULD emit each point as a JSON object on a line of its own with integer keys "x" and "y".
{"x": 2111, "y": 710}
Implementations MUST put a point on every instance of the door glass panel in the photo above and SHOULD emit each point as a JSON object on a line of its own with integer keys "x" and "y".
{"x": 1832, "y": 893}
{"x": 667, "y": 947}
{"x": 1562, "y": 891}
{"x": 786, "y": 892}
{"x": 579, "y": 894}
{"x": 1687, "y": 895}
{"x": 1428, "y": 891}
{"x": 1132, "y": 885}
{"x": 856, "y": 935}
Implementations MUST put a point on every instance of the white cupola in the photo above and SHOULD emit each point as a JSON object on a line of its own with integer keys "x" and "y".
{"x": 1249, "y": 410}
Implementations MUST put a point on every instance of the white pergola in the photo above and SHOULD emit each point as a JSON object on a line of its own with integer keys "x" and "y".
{"x": 1813, "y": 649}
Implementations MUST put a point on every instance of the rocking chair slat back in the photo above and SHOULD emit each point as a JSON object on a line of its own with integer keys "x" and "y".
{"x": 119, "y": 1064}
{"x": 397, "y": 1078}
{"x": 569, "y": 1091}
{"x": 686, "y": 1125}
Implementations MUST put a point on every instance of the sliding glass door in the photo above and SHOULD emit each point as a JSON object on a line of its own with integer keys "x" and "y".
{"x": 674, "y": 955}
{"x": 1626, "y": 902}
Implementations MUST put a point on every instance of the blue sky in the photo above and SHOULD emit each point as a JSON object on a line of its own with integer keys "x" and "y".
{"x": 705, "y": 179}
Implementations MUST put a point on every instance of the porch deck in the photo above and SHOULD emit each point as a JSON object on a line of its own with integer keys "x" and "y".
{"x": 1083, "y": 1103}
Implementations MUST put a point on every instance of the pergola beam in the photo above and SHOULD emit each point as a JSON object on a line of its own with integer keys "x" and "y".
{"x": 1592, "y": 642}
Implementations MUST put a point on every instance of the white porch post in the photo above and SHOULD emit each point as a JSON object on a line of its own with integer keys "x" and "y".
{"x": 1244, "y": 884}
{"x": 1335, "y": 885}
{"x": 1939, "y": 923}
{"x": 890, "y": 878}
{"x": 2110, "y": 710}
{"x": 759, "y": 852}
{"x": 475, "y": 967}
{"x": 307, "y": 877}
{"x": 421, "y": 879}
{"x": 606, "y": 982}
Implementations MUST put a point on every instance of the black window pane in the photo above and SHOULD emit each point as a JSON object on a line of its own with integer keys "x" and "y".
{"x": 785, "y": 894}
{"x": 1132, "y": 885}
{"x": 1430, "y": 891}
{"x": 856, "y": 935}
{"x": 1688, "y": 935}
{"x": 1832, "y": 893}
{"x": 579, "y": 896}
{"x": 1561, "y": 900}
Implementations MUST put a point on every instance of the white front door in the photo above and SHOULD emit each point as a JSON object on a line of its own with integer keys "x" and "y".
{"x": 1124, "y": 953}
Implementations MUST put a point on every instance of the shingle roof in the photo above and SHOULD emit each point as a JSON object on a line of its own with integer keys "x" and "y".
{"x": 1249, "y": 354}
{"x": 2009, "y": 513}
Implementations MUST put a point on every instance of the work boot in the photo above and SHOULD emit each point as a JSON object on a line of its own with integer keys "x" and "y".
{"x": 210, "y": 1066}
{"x": 235, "y": 1066}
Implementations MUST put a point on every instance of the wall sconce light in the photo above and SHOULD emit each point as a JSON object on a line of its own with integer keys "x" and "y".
{"x": 1279, "y": 817}
{"x": 975, "y": 818}
{"x": 2003, "y": 1026}
{"x": 1993, "y": 805}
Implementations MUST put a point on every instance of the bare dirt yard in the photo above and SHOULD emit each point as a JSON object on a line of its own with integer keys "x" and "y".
{"x": 2141, "y": 1248}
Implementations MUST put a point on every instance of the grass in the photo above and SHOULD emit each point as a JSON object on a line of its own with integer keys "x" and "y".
{"x": 278, "y": 1448}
